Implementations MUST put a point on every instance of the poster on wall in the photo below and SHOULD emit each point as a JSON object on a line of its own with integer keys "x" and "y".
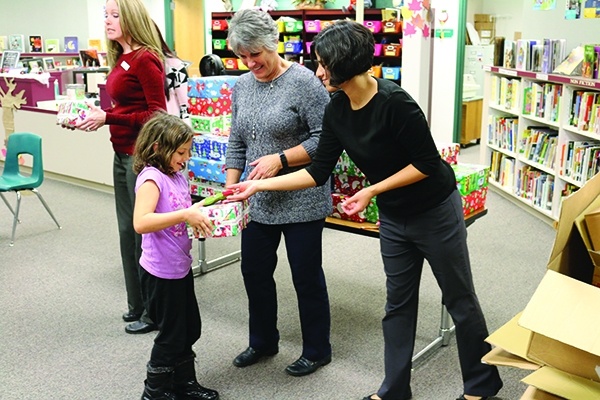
{"x": 573, "y": 9}
{"x": 591, "y": 9}
{"x": 543, "y": 5}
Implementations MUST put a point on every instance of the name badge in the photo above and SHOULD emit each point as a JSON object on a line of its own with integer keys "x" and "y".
{"x": 124, "y": 65}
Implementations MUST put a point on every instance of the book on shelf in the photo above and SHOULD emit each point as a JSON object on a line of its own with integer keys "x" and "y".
{"x": 571, "y": 66}
{"x": 537, "y": 53}
{"x": 95, "y": 44}
{"x": 522, "y": 55}
{"x": 3, "y": 43}
{"x": 510, "y": 49}
{"x": 16, "y": 42}
{"x": 52, "y": 45}
{"x": 71, "y": 44}
{"x": 35, "y": 44}
{"x": 589, "y": 63}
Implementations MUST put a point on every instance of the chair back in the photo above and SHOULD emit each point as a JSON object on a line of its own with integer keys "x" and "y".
{"x": 24, "y": 143}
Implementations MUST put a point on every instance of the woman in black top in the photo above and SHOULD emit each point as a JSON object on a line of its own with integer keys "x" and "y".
{"x": 386, "y": 134}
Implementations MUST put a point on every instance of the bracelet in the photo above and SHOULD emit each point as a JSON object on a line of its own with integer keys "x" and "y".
{"x": 283, "y": 159}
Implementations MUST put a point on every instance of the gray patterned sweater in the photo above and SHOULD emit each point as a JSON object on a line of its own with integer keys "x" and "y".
{"x": 268, "y": 117}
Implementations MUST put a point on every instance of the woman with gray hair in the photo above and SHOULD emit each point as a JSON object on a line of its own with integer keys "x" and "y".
{"x": 277, "y": 111}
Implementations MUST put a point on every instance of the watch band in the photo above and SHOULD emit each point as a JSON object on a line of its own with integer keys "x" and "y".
{"x": 283, "y": 158}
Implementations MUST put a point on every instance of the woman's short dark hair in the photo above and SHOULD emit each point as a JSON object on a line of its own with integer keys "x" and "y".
{"x": 345, "y": 48}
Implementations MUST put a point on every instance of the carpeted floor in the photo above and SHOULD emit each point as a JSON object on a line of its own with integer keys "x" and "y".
{"x": 62, "y": 296}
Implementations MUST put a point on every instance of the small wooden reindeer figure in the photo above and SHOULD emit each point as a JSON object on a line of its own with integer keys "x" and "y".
{"x": 10, "y": 102}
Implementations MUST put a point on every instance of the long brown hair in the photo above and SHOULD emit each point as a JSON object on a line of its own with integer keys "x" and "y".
{"x": 137, "y": 27}
{"x": 158, "y": 140}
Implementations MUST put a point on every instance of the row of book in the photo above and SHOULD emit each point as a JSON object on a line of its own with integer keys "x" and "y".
{"x": 36, "y": 44}
{"x": 585, "y": 111}
{"x": 538, "y": 144}
{"x": 579, "y": 159}
{"x": 534, "y": 54}
{"x": 505, "y": 92}
{"x": 542, "y": 100}
{"x": 503, "y": 131}
{"x": 525, "y": 182}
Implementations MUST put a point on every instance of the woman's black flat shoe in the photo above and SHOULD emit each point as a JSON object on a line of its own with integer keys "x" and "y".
{"x": 462, "y": 397}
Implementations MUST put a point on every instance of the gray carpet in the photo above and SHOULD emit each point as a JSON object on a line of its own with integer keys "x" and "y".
{"x": 62, "y": 296}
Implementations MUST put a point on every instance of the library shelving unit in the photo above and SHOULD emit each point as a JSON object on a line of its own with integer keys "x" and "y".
{"x": 540, "y": 135}
{"x": 388, "y": 43}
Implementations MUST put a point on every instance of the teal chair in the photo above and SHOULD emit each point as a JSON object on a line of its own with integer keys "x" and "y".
{"x": 13, "y": 181}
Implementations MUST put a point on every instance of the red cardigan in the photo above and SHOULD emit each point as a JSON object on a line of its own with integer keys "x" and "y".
{"x": 136, "y": 87}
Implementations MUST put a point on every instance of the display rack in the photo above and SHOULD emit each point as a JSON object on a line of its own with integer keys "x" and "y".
{"x": 321, "y": 17}
{"x": 372, "y": 230}
{"x": 533, "y": 139}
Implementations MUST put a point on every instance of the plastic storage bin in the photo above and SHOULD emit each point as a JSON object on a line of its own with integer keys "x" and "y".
{"x": 392, "y": 26}
{"x": 219, "y": 25}
{"x": 219, "y": 44}
{"x": 391, "y": 73}
{"x": 392, "y": 50}
{"x": 312, "y": 26}
{"x": 373, "y": 26}
{"x": 378, "y": 47}
{"x": 293, "y": 26}
{"x": 294, "y": 47}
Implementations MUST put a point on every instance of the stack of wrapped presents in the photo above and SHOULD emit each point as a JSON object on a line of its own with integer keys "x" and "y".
{"x": 471, "y": 181}
{"x": 209, "y": 104}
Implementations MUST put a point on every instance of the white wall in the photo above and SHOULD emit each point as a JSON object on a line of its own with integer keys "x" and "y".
{"x": 518, "y": 16}
{"x": 81, "y": 18}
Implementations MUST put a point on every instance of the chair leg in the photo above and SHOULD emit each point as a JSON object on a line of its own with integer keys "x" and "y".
{"x": 14, "y": 229}
{"x": 8, "y": 205}
{"x": 39, "y": 195}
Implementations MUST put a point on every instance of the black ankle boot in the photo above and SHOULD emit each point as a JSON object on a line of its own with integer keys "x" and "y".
{"x": 185, "y": 385}
{"x": 158, "y": 384}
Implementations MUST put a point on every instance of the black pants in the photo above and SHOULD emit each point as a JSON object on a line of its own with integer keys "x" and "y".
{"x": 304, "y": 251}
{"x": 440, "y": 237}
{"x": 172, "y": 305}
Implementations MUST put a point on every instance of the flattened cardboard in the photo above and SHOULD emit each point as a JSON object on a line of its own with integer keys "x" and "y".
{"x": 499, "y": 357}
{"x": 533, "y": 393}
{"x": 512, "y": 338}
{"x": 592, "y": 222}
{"x": 569, "y": 255}
{"x": 564, "y": 310}
{"x": 562, "y": 384}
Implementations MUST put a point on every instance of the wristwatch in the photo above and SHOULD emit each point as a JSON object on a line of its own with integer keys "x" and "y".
{"x": 283, "y": 159}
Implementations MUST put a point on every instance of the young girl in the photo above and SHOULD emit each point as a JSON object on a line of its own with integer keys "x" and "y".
{"x": 163, "y": 205}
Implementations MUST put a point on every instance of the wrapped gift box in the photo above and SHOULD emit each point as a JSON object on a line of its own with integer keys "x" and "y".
{"x": 449, "y": 152}
{"x": 369, "y": 214}
{"x": 346, "y": 166}
{"x": 208, "y": 87}
{"x": 474, "y": 201}
{"x": 211, "y": 170}
{"x": 209, "y": 125}
{"x": 228, "y": 219}
{"x": 212, "y": 107}
{"x": 470, "y": 177}
{"x": 211, "y": 147}
{"x": 348, "y": 184}
{"x": 203, "y": 188}
{"x": 71, "y": 112}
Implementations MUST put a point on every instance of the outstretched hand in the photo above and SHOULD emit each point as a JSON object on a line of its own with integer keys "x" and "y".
{"x": 356, "y": 203}
{"x": 242, "y": 190}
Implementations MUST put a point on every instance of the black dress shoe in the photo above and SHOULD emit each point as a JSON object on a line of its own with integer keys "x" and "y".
{"x": 304, "y": 366}
{"x": 252, "y": 356}
{"x": 131, "y": 316}
{"x": 140, "y": 327}
{"x": 462, "y": 397}
{"x": 370, "y": 397}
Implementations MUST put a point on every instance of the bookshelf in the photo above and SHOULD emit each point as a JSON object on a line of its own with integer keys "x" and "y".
{"x": 309, "y": 24}
{"x": 540, "y": 135}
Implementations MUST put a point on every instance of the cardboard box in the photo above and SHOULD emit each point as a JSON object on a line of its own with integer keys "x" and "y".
{"x": 592, "y": 223}
{"x": 483, "y": 18}
{"x": 559, "y": 328}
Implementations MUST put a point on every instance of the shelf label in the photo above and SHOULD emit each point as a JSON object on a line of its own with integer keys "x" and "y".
{"x": 542, "y": 77}
{"x": 507, "y": 72}
{"x": 582, "y": 82}
{"x": 487, "y": 68}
